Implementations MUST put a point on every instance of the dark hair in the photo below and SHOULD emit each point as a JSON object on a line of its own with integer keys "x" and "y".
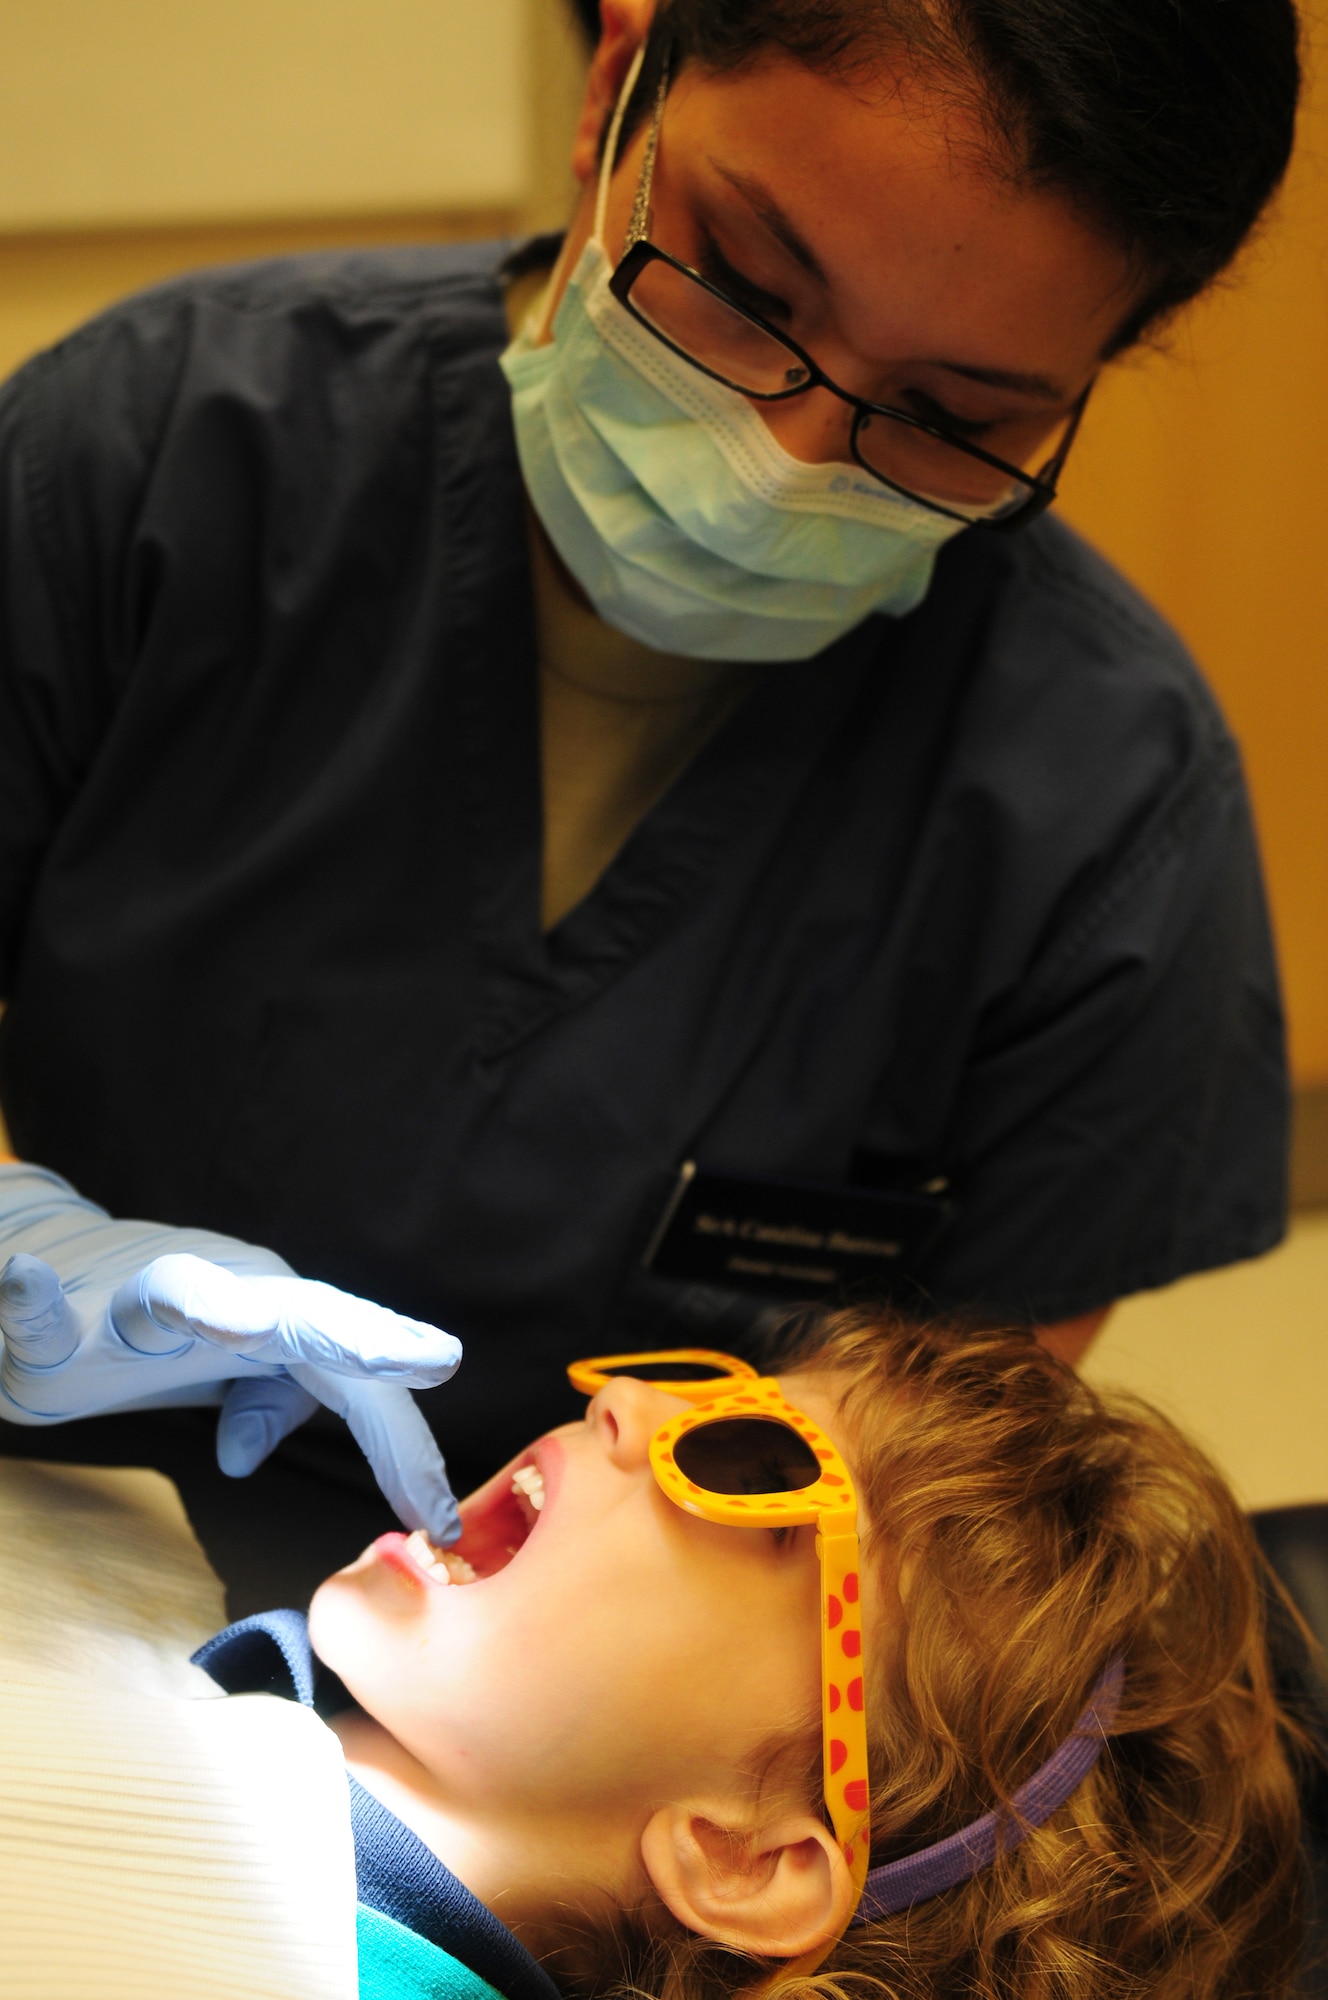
{"x": 1169, "y": 122}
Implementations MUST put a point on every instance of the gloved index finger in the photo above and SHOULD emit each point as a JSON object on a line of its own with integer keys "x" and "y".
{"x": 351, "y": 1336}
{"x": 294, "y": 1320}
{"x": 391, "y": 1431}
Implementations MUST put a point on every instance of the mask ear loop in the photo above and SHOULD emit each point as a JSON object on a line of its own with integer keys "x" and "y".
{"x": 553, "y": 290}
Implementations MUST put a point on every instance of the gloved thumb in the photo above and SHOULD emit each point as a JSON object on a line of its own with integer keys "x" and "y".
{"x": 257, "y": 1414}
{"x": 39, "y": 1325}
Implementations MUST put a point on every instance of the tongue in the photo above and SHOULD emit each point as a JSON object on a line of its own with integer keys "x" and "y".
{"x": 494, "y": 1525}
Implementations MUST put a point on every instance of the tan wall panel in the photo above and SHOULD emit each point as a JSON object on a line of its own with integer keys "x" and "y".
{"x": 1203, "y": 472}
{"x": 50, "y": 284}
{"x": 147, "y": 111}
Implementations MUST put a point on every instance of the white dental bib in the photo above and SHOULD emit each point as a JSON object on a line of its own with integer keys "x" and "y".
{"x": 158, "y": 1840}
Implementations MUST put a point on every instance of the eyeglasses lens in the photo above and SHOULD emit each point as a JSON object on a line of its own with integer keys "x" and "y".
{"x": 934, "y": 470}
{"x": 713, "y": 333}
{"x": 746, "y": 1455}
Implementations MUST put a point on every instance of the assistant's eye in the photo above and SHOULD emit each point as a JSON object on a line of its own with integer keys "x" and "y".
{"x": 713, "y": 264}
{"x": 919, "y": 404}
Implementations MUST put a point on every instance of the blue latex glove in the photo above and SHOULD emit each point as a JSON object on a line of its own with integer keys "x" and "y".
{"x": 99, "y": 1315}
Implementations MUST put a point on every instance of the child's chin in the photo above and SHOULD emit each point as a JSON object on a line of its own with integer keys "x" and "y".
{"x": 348, "y": 1612}
{"x": 329, "y": 1616}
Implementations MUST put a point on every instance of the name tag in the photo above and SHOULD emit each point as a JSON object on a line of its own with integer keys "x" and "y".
{"x": 791, "y": 1239}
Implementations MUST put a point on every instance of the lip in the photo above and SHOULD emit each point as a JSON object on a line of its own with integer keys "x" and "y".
{"x": 390, "y": 1551}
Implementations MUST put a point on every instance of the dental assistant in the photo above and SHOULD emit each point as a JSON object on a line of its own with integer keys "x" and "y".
{"x": 578, "y": 794}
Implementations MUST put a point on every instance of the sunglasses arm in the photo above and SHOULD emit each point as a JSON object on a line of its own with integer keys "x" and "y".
{"x": 845, "y": 1772}
{"x": 843, "y": 1727}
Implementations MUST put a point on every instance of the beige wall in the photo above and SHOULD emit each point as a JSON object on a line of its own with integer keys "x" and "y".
{"x": 147, "y": 112}
{"x": 521, "y": 92}
{"x": 1202, "y": 471}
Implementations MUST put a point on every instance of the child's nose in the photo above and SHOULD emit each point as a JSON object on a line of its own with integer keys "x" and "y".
{"x": 625, "y": 1414}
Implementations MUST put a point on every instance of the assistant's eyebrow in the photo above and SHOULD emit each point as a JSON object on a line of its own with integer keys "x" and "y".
{"x": 763, "y": 204}
{"x": 1009, "y": 378}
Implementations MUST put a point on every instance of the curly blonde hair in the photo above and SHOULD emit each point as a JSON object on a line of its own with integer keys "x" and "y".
{"x": 1027, "y": 1528}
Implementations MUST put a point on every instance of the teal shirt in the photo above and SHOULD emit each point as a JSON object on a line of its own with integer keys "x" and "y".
{"x": 399, "y": 1964}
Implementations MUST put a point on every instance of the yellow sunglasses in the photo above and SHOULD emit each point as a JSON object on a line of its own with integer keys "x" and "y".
{"x": 744, "y": 1457}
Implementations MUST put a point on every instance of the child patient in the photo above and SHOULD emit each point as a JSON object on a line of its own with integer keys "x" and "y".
{"x": 595, "y": 1745}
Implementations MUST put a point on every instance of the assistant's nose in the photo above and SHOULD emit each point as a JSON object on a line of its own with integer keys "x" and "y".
{"x": 814, "y": 427}
{"x": 625, "y": 1414}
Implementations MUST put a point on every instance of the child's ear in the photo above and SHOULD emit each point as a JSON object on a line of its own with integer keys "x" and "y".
{"x": 778, "y": 1890}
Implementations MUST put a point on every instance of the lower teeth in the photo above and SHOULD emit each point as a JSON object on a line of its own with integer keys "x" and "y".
{"x": 444, "y": 1564}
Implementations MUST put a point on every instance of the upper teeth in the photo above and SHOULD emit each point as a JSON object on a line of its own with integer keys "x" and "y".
{"x": 528, "y": 1479}
{"x": 445, "y": 1564}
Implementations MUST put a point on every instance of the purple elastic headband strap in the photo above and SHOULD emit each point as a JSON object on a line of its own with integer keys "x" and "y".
{"x": 932, "y": 1869}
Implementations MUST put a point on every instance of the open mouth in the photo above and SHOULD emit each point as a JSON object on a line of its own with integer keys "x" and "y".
{"x": 496, "y": 1523}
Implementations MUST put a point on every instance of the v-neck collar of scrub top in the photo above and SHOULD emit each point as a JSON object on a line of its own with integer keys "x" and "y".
{"x": 755, "y": 764}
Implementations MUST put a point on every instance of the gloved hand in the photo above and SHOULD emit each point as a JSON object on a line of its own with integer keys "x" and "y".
{"x": 110, "y": 1323}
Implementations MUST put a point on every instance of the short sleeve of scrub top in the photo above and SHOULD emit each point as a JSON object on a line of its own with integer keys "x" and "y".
{"x": 973, "y": 896}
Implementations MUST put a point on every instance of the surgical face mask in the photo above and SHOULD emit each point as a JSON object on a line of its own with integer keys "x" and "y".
{"x": 667, "y": 496}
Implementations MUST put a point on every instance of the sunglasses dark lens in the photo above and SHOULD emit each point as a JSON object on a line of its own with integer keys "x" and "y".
{"x": 746, "y": 1455}
{"x": 670, "y": 1371}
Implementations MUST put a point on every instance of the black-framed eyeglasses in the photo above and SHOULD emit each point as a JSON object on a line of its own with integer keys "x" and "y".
{"x": 914, "y": 457}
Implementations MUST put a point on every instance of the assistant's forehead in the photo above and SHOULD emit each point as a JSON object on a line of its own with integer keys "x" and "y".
{"x": 944, "y": 243}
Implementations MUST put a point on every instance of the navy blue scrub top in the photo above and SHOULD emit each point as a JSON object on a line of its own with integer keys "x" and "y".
{"x": 972, "y": 895}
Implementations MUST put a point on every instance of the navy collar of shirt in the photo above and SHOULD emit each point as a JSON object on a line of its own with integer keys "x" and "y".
{"x": 395, "y": 1873}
